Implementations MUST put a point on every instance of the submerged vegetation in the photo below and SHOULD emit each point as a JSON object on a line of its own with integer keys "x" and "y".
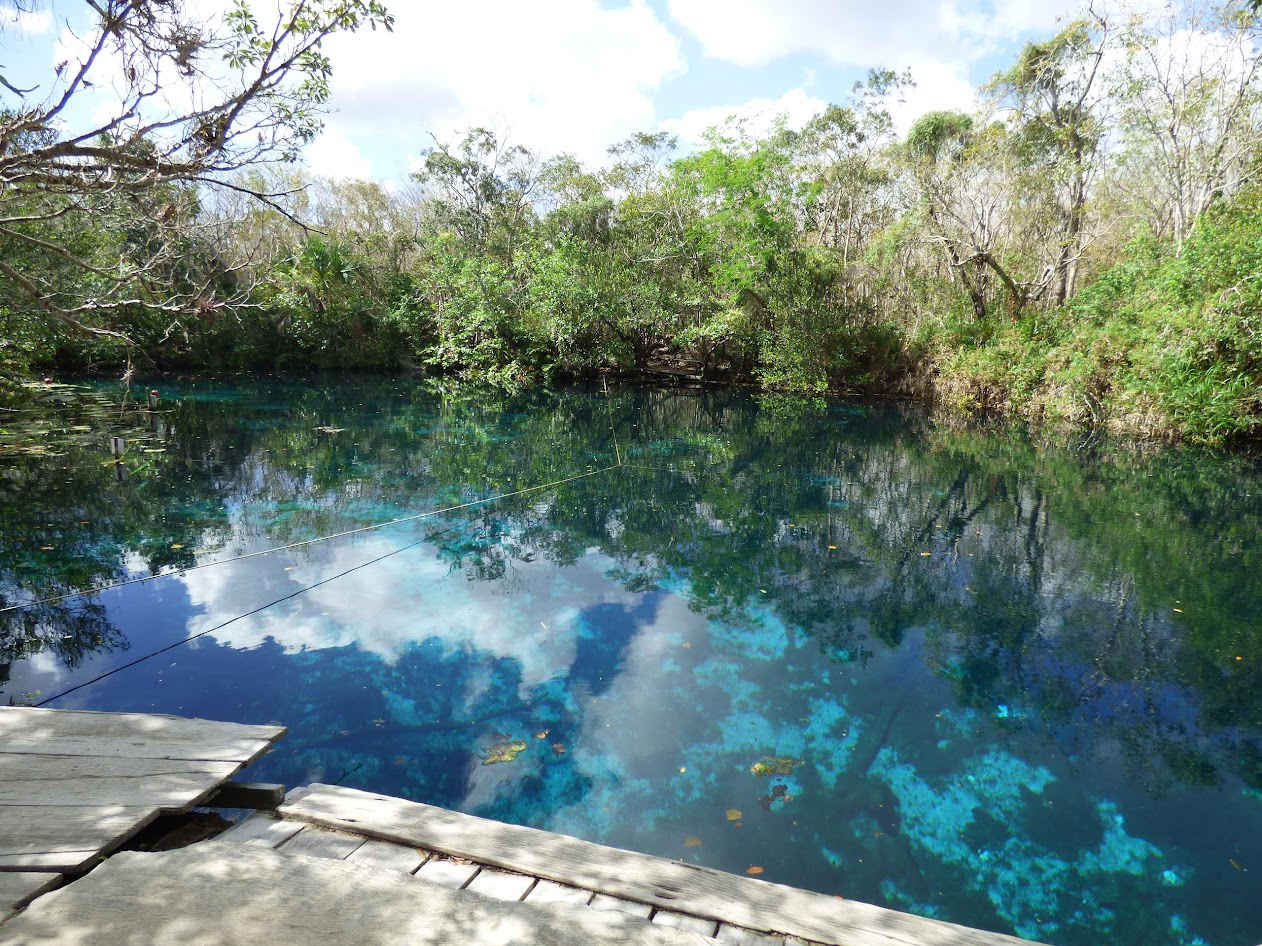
{"x": 1083, "y": 247}
{"x": 1014, "y": 685}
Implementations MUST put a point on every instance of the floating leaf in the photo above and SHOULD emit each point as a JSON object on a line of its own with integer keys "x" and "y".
{"x": 541, "y": 734}
{"x": 753, "y": 869}
{"x": 733, "y": 814}
{"x": 502, "y": 752}
{"x": 558, "y": 749}
{"x": 693, "y": 842}
{"x": 176, "y": 545}
{"x": 771, "y": 765}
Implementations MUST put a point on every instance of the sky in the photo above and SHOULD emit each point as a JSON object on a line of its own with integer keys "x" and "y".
{"x": 576, "y": 76}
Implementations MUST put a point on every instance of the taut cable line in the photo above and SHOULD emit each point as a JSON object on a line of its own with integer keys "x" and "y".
{"x": 239, "y": 617}
{"x": 53, "y": 599}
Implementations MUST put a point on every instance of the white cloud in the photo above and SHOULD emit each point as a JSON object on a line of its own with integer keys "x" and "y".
{"x": 395, "y": 603}
{"x": 756, "y": 32}
{"x": 568, "y": 76}
{"x": 26, "y": 22}
{"x": 939, "y": 87}
{"x": 333, "y": 155}
{"x": 759, "y": 115}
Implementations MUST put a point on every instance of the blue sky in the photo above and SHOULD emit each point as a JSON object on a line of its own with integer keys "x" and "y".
{"x": 579, "y": 75}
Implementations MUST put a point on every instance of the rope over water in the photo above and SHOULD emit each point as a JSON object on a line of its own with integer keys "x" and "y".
{"x": 324, "y": 538}
{"x": 282, "y": 548}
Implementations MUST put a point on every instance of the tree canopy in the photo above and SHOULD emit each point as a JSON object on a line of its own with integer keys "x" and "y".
{"x": 198, "y": 101}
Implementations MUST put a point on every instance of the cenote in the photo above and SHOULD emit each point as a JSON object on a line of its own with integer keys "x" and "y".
{"x": 945, "y": 670}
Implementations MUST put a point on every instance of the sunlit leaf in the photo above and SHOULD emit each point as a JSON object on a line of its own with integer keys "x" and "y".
{"x": 502, "y": 752}
{"x": 772, "y": 765}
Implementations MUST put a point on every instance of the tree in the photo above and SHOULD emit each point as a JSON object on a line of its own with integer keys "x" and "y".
{"x": 97, "y": 217}
{"x": 1192, "y": 110}
{"x": 957, "y": 175}
{"x": 1059, "y": 98}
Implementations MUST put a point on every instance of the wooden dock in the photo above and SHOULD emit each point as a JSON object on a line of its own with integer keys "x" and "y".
{"x": 349, "y": 868}
{"x": 514, "y": 863}
{"x": 76, "y": 785}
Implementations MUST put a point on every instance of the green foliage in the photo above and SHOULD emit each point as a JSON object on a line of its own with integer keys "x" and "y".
{"x": 983, "y": 258}
{"x": 1163, "y": 344}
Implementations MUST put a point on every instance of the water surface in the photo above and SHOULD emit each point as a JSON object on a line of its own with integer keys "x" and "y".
{"x": 947, "y": 671}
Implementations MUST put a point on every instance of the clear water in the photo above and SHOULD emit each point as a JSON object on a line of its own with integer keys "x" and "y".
{"x": 946, "y": 671}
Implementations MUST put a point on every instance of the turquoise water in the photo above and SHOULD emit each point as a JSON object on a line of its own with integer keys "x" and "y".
{"x": 948, "y": 671}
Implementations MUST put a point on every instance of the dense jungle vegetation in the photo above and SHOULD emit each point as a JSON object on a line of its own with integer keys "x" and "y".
{"x": 1085, "y": 247}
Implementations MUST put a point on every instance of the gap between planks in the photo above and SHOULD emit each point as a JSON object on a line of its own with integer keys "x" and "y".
{"x": 461, "y": 874}
{"x": 740, "y": 902}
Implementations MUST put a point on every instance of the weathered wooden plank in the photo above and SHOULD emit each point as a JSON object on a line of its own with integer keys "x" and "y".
{"x": 317, "y": 842}
{"x": 131, "y": 735}
{"x": 261, "y": 830}
{"x": 19, "y": 888}
{"x": 744, "y": 937}
{"x": 672, "y": 885}
{"x": 682, "y": 921}
{"x": 500, "y": 885}
{"x": 547, "y": 891}
{"x": 60, "y": 838}
{"x": 173, "y": 785}
{"x": 53, "y": 862}
{"x": 260, "y": 796}
{"x": 387, "y": 856}
{"x": 215, "y": 893}
{"x": 605, "y": 902}
{"x": 447, "y": 873}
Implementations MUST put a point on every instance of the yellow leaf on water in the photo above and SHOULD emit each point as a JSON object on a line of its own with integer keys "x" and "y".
{"x": 693, "y": 842}
{"x": 754, "y": 869}
{"x": 503, "y": 751}
{"x": 733, "y": 814}
{"x": 176, "y": 545}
